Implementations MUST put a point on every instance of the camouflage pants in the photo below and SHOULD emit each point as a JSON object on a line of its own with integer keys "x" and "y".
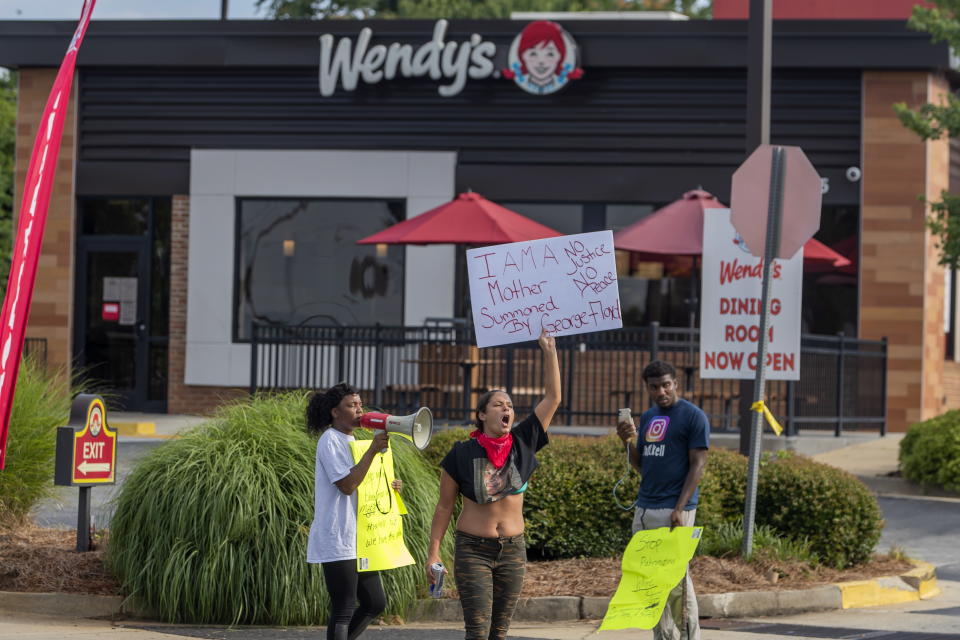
{"x": 489, "y": 574}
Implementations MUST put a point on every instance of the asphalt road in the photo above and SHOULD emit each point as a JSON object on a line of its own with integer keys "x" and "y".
{"x": 925, "y": 528}
{"x": 61, "y": 510}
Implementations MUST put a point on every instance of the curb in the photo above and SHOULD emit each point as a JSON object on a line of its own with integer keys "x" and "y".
{"x": 134, "y": 429}
{"x": 919, "y": 583}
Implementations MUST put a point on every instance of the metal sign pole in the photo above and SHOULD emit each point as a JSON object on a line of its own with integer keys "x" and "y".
{"x": 83, "y": 520}
{"x": 777, "y": 170}
{"x": 759, "y": 51}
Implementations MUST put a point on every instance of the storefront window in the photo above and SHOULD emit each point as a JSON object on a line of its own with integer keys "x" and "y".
{"x": 298, "y": 263}
{"x": 624, "y": 215}
{"x": 830, "y": 293}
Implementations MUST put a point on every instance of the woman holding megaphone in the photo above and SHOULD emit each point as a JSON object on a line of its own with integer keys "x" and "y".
{"x": 334, "y": 414}
{"x": 491, "y": 471}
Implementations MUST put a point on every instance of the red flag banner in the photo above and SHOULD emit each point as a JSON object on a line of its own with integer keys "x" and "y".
{"x": 33, "y": 218}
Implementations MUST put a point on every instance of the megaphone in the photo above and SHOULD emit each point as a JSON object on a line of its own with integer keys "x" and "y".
{"x": 416, "y": 427}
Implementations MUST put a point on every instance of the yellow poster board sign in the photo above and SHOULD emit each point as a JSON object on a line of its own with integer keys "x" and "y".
{"x": 654, "y": 562}
{"x": 379, "y": 510}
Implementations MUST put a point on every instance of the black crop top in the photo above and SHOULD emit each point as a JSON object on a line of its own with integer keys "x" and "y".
{"x": 476, "y": 476}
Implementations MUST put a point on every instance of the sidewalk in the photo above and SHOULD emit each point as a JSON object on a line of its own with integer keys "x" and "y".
{"x": 926, "y": 618}
{"x": 876, "y": 461}
{"x": 133, "y": 425}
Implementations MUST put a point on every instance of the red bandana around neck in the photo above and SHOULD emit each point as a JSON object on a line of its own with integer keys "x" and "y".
{"x": 498, "y": 449}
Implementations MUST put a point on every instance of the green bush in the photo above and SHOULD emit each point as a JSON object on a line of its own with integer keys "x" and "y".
{"x": 811, "y": 507}
{"x": 569, "y": 507}
{"x": 441, "y": 443}
{"x": 930, "y": 452}
{"x": 41, "y": 404}
{"x": 800, "y": 499}
{"x": 722, "y": 489}
{"x": 212, "y": 527}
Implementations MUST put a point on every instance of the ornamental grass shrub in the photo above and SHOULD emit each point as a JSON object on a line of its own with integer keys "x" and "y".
{"x": 726, "y": 541}
{"x": 212, "y": 527}
{"x": 41, "y": 404}
{"x": 930, "y": 452}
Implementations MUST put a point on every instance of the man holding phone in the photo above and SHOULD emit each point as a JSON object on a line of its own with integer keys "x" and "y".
{"x": 670, "y": 456}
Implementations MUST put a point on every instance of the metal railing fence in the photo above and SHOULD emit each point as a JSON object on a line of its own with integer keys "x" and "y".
{"x": 842, "y": 385}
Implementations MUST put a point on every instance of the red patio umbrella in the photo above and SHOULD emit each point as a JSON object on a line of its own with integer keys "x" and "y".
{"x": 677, "y": 230}
{"x": 469, "y": 219}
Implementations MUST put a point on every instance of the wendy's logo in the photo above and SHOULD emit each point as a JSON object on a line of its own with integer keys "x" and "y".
{"x": 543, "y": 58}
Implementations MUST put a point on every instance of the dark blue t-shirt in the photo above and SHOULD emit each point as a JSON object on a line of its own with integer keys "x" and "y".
{"x": 665, "y": 439}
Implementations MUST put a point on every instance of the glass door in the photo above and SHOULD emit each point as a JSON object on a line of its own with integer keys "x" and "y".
{"x": 122, "y": 301}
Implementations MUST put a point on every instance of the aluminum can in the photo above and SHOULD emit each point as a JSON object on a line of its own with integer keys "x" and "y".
{"x": 436, "y": 589}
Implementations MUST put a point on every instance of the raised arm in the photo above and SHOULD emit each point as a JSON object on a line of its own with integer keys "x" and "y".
{"x": 441, "y": 519}
{"x": 551, "y": 372}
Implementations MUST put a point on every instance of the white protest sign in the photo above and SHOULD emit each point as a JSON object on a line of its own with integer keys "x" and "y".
{"x": 565, "y": 285}
{"x": 730, "y": 306}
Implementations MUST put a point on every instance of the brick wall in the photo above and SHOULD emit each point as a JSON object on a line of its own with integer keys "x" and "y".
{"x": 184, "y": 398}
{"x": 951, "y": 385}
{"x": 901, "y": 286}
{"x": 935, "y": 293}
{"x": 51, "y": 310}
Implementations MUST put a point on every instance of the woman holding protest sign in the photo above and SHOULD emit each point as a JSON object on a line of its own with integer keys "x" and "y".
{"x": 491, "y": 471}
{"x": 334, "y": 414}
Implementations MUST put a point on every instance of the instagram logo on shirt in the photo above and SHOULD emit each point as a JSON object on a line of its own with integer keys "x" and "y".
{"x": 657, "y": 429}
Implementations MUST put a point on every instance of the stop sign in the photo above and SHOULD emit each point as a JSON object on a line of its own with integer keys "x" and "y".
{"x": 750, "y": 200}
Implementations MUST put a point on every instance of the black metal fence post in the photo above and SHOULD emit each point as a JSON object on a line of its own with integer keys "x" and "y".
{"x": 378, "y": 367}
{"x": 883, "y": 387}
{"x": 654, "y": 340}
{"x": 840, "y": 379}
{"x": 571, "y": 358}
{"x": 341, "y": 354}
{"x": 791, "y": 407}
{"x": 508, "y": 373}
{"x": 254, "y": 353}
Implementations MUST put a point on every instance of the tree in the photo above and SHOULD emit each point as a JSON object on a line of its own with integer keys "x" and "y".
{"x": 311, "y": 9}
{"x": 936, "y": 121}
{"x": 8, "y": 133}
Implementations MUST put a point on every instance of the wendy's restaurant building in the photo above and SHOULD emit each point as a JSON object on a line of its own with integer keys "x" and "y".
{"x": 218, "y": 174}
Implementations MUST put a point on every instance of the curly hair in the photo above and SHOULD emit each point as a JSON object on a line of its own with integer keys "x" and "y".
{"x": 658, "y": 369}
{"x": 320, "y": 407}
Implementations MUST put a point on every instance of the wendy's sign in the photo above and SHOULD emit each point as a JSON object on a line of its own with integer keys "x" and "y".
{"x": 731, "y": 306}
{"x": 542, "y": 59}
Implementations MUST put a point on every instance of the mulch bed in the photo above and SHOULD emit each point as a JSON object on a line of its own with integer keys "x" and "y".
{"x": 38, "y": 559}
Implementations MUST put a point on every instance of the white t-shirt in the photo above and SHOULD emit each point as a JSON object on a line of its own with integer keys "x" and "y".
{"x": 333, "y": 534}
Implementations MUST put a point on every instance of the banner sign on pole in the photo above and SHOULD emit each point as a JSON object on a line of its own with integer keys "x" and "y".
{"x": 379, "y": 509}
{"x": 654, "y": 562}
{"x": 33, "y": 217}
{"x": 565, "y": 285}
{"x": 730, "y": 306}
